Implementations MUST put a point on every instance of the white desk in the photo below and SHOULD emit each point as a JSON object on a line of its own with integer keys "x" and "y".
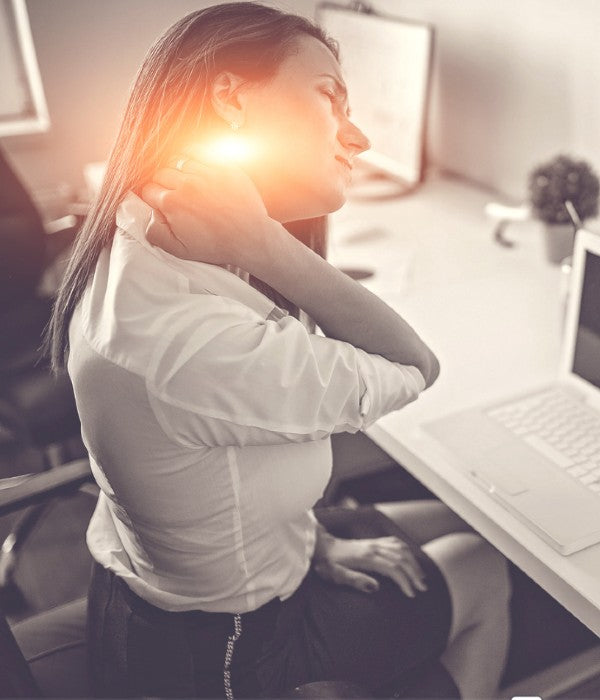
{"x": 493, "y": 317}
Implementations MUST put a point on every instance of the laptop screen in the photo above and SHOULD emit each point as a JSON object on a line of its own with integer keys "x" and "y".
{"x": 586, "y": 358}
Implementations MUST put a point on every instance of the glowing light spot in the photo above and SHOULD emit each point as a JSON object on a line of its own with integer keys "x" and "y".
{"x": 234, "y": 149}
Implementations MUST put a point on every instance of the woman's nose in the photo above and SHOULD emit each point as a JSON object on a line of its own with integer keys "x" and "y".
{"x": 353, "y": 139}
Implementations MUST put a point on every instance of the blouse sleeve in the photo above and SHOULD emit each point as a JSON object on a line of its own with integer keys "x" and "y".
{"x": 228, "y": 376}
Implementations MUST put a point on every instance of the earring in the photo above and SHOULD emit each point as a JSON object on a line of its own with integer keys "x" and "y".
{"x": 234, "y": 126}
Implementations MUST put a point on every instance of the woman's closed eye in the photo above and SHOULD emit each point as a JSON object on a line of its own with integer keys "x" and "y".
{"x": 333, "y": 98}
{"x": 337, "y": 102}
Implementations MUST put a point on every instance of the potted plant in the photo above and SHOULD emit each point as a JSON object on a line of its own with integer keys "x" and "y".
{"x": 551, "y": 184}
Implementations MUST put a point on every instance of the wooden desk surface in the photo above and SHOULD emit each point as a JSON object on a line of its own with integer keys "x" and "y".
{"x": 493, "y": 316}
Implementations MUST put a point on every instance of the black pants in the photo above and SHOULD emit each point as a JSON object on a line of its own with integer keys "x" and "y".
{"x": 323, "y": 632}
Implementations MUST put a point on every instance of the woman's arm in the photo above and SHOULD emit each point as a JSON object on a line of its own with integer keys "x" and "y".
{"x": 341, "y": 307}
{"x": 216, "y": 215}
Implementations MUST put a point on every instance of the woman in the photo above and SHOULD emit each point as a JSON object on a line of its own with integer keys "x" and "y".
{"x": 207, "y": 409}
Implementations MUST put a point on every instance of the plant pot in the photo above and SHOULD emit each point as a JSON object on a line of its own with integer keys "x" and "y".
{"x": 558, "y": 241}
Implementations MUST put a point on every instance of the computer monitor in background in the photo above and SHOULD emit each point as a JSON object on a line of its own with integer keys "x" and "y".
{"x": 23, "y": 107}
{"x": 386, "y": 63}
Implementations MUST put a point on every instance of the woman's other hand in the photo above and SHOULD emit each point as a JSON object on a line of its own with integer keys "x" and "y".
{"x": 348, "y": 562}
{"x": 210, "y": 214}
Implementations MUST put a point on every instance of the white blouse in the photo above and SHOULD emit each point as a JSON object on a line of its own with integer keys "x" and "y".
{"x": 207, "y": 411}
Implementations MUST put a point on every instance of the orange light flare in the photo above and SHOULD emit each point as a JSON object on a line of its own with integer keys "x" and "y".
{"x": 231, "y": 149}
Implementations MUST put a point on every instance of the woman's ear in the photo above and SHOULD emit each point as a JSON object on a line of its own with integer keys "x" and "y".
{"x": 227, "y": 98}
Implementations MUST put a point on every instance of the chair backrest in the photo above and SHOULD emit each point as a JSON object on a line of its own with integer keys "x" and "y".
{"x": 16, "y": 679}
{"x": 44, "y": 655}
{"x": 53, "y": 646}
{"x": 22, "y": 239}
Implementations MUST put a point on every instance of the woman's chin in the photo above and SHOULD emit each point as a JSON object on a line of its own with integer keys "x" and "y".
{"x": 326, "y": 201}
{"x": 335, "y": 201}
{"x": 310, "y": 206}
{"x": 323, "y": 208}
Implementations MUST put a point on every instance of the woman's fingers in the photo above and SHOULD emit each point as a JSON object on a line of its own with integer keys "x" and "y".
{"x": 400, "y": 554}
{"x": 392, "y": 558}
{"x": 401, "y": 578}
{"x": 356, "y": 579}
{"x": 342, "y": 575}
{"x": 169, "y": 178}
{"x": 404, "y": 559}
{"x": 158, "y": 232}
{"x": 174, "y": 178}
{"x": 401, "y": 572}
{"x": 153, "y": 194}
{"x": 185, "y": 164}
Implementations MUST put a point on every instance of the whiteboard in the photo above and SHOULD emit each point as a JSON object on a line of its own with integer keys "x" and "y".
{"x": 23, "y": 107}
{"x": 386, "y": 64}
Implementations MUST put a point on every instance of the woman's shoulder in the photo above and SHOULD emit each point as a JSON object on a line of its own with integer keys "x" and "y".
{"x": 135, "y": 302}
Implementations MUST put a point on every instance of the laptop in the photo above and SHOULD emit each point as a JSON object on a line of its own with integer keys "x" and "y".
{"x": 538, "y": 454}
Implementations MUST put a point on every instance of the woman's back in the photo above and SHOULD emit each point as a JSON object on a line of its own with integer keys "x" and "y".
{"x": 216, "y": 525}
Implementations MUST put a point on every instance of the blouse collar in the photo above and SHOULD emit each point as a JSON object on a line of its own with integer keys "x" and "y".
{"x": 133, "y": 217}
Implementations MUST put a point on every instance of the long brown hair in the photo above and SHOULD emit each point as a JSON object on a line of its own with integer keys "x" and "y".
{"x": 168, "y": 102}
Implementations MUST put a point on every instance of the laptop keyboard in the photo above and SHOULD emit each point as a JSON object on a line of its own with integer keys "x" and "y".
{"x": 565, "y": 431}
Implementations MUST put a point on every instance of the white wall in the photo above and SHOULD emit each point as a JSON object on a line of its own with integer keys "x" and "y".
{"x": 515, "y": 81}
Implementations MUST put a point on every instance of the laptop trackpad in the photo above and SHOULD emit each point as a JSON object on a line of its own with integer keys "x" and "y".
{"x": 497, "y": 469}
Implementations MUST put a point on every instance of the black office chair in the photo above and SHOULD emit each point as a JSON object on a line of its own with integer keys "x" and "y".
{"x": 25, "y": 380}
{"x": 37, "y": 408}
{"x": 44, "y": 655}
